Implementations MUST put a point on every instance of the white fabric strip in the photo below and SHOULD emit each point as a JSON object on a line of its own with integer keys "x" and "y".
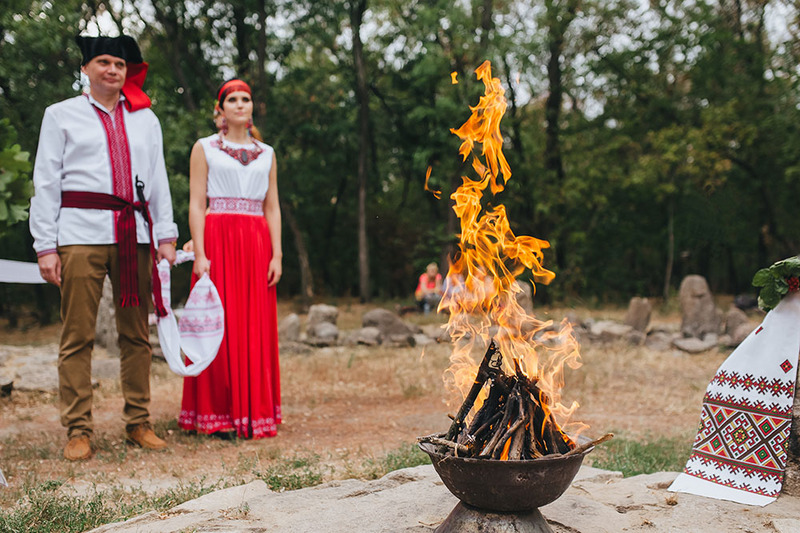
{"x": 19, "y": 272}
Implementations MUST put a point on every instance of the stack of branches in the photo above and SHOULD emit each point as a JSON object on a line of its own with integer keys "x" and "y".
{"x": 514, "y": 422}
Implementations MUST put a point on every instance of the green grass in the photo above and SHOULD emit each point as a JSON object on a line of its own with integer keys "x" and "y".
{"x": 406, "y": 456}
{"x": 45, "y": 508}
{"x": 296, "y": 473}
{"x": 632, "y": 457}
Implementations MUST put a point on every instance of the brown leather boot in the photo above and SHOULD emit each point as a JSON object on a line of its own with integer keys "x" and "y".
{"x": 144, "y": 436}
{"x": 78, "y": 448}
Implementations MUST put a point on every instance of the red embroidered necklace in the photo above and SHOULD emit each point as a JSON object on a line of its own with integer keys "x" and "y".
{"x": 244, "y": 156}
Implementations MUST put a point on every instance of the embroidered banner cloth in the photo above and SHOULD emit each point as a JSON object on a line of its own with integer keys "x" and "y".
{"x": 739, "y": 453}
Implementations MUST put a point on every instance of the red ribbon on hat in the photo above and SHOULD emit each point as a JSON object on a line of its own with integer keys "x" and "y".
{"x": 135, "y": 97}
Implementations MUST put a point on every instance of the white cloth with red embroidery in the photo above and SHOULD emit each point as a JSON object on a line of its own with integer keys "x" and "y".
{"x": 200, "y": 329}
{"x": 739, "y": 453}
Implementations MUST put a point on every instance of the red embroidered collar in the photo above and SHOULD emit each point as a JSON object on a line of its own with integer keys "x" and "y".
{"x": 244, "y": 156}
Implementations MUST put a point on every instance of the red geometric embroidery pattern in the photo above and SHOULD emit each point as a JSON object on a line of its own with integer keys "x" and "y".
{"x": 244, "y": 156}
{"x": 786, "y": 366}
{"x": 739, "y": 438}
{"x": 236, "y": 206}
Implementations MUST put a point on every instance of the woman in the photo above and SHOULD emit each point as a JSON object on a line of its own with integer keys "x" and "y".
{"x": 235, "y": 221}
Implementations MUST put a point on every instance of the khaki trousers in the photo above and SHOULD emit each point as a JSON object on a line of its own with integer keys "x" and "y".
{"x": 83, "y": 270}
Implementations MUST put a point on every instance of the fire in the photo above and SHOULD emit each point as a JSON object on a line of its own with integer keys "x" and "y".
{"x": 481, "y": 282}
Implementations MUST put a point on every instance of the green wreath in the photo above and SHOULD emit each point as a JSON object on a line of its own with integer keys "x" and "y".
{"x": 777, "y": 281}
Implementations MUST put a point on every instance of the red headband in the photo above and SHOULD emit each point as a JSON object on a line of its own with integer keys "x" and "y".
{"x": 230, "y": 87}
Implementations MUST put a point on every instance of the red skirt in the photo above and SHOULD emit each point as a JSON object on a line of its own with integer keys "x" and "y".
{"x": 240, "y": 391}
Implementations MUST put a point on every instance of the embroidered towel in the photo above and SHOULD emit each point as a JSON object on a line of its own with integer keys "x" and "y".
{"x": 200, "y": 329}
{"x": 739, "y": 453}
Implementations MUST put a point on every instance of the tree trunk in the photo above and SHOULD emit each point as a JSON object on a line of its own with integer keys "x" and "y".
{"x": 261, "y": 70}
{"x": 670, "y": 248}
{"x": 306, "y": 279}
{"x": 242, "y": 33}
{"x": 357, "y": 10}
{"x": 486, "y": 26}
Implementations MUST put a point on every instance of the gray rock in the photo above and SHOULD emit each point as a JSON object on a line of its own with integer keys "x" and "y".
{"x": 636, "y": 338}
{"x": 414, "y": 500}
{"x": 699, "y": 314}
{"x": 741, "y": 332}
{"x": 638, "y": 315}
{"x": 399, "y": 340}
{"x": 322, "y": 313}
{"x": 608, "y": 330}
{"x": 289, "y": 328}
{"x": 694, "y": 345}
{"x": 420, "y": 339}
{"x": 734, "y": 318}
{"x": 366, "y": 336}
{"x": 388, "y": 323}
{"x": 106, "y": 329}
{"x": 322, "y": 334}
{"x": 660, "y": 341}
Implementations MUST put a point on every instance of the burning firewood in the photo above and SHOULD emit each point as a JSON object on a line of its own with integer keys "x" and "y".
{"x": 513, "y": 423}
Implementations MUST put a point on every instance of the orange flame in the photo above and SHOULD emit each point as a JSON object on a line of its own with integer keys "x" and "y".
{"x": 481, "y": 283}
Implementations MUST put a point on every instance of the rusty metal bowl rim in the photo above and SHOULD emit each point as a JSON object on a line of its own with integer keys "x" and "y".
{"x": 543, "y": 459}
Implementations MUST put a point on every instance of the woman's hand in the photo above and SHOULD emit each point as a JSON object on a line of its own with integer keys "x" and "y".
{"x": 201, "y": 266}
{"x": 274, "y": 271}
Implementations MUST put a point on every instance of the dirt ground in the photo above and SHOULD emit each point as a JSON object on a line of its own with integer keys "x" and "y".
{"x": 348, "y": 407}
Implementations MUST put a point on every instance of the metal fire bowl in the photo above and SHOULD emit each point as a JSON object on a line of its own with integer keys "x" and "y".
{"x": 506, "y": 486}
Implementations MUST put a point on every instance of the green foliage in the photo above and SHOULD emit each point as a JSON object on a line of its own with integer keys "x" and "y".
{"x": 678, "y": 131}
{"x": 47, "y": 508}
{"x": 16, "y": 187}
{"x": 774, "y": 282}
{"x": 634, "y": 457}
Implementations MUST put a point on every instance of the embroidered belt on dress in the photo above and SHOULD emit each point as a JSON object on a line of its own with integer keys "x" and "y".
{"x": 238, "y": 206}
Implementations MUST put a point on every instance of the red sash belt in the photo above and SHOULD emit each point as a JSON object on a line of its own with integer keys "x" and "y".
{"x": 125, "y": 230}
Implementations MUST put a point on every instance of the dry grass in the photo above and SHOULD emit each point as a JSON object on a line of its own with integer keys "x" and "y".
{"x": 349, "y": 412}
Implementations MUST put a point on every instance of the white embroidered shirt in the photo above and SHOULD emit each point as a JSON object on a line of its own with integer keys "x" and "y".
{"x": 73, "y": 156}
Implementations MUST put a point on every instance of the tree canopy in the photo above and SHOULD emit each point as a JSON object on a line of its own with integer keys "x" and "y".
{"x": 647, "y": 140}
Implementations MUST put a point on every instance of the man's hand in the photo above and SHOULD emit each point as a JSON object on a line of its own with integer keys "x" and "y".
{"x": 50, "y": 268}
{"x": 166, "y": 251}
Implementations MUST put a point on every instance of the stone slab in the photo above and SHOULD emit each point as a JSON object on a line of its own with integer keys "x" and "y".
{"x": 414, "y": 500}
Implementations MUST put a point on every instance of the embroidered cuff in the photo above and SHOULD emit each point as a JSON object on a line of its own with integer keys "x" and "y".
{"x": 46, "y": 252}
{"x": 168, "y": 240}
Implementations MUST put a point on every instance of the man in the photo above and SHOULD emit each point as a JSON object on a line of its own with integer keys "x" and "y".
{"x": 99, "y": 178}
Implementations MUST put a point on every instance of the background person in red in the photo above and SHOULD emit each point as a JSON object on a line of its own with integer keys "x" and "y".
{"x": 429, "y": 288}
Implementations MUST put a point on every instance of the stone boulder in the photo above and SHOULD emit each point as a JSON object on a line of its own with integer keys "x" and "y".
{"x": 321, "y": 327}
{"x": 741, "y": 332}
{"x": 388, "y": 323}
{"x": 638, "y": 315}
{"x": 320, "y": 313}
{"x": 289, "y": 328}
{"x": 323, "y": 334}
{"x": 695, "y": 345}
{"x": 734, "y": 318}
{"x": 699, "y": 314}
{"x": 106, "y": 329}
{"x": 608, "y": 330}
{"x": 660, "y": 341}
{"x": 369, "y": 336}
